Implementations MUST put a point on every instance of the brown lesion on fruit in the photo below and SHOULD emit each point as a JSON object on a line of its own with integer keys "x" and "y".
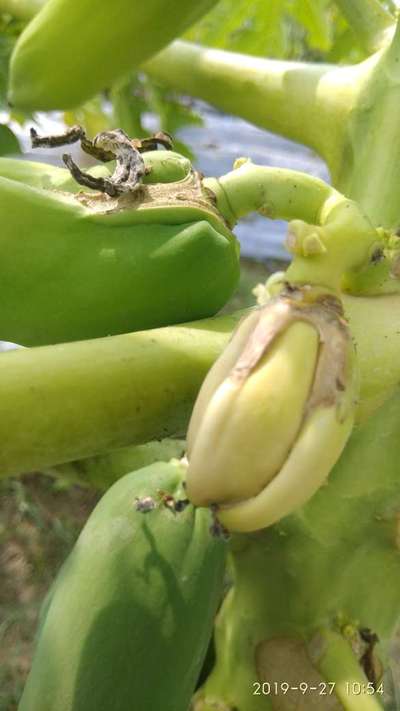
{"x": 322, "y": 311}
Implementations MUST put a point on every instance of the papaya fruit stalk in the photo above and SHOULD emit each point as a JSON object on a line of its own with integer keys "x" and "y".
{"x": 75, "y": 36}
{"x": 333, "y": 241}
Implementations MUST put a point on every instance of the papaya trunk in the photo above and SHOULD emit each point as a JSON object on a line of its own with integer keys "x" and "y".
{"x": 313, "y": 594}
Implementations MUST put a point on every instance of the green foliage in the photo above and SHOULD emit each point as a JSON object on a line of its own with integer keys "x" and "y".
{"x": 173, "y": 113}
{"x": 8, "y": 141}
{"x": 9, "y": 30}
{"x": 91, "y": 115}
{"x": 131, "y": 99}
{"x": 284, "y": 29}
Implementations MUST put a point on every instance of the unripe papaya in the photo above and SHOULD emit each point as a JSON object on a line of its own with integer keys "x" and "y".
{"x": 127, "y": 622}
{"x": 84, "y": 265}
{"x": 73, "y": 49}
{"x": 164, "y": 168}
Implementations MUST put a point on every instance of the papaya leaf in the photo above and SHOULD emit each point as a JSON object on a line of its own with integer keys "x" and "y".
{"x": 8, "y": 141}
{"x": 281, "y": 29}
{"x": 91, "y": 115}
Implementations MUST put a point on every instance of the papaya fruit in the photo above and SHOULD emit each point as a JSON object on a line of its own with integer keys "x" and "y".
{"x": 73, "y": 49}
{"x": 164, "y": 168}
{"x": 127, "y": 622}
{"x": 85, "y": 265}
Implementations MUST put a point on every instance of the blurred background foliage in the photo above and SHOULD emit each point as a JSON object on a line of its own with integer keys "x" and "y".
{"x": 281, "y": 29}
{"x": 311, "y": 30}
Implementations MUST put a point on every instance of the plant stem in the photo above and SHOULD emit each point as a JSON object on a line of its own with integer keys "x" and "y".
{"x": 75, "y": 400}
{"x": 370, "y": 166}
{"x": 370, "y": 21}
{"x": 338, "y": 664}
{"x": 347, "y": 114}
{"x": 276, "y": 193}
{"x": 338, "y": 240}
{"x": 375, "y": 325}
{"x": 21, "y": 9}
{"x": 318, "y": 569}
{"x": 286, "y": 97}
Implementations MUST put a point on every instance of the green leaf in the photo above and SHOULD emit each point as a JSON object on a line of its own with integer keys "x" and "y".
{"x": 314, "y": 17}
{"x": 8, "y": 141}
{"x": 91, "y": 115}
{"x": 9, "y": 31}
{"x": 254, "y": 28}
{"x": 281, "y": 29}
{"x": 129, "y": 105}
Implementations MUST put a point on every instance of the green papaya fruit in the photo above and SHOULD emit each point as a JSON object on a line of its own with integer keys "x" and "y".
{"x": 84, "y": 265}
{"x": 164, "y": 168}
{"x": 127, "y": 622}
{"x": 73, "y": 49}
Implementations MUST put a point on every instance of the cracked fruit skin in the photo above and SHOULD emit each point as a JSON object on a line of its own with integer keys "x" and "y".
{"x": 273, "y": 414}
{"x": 127, "y": 622}
{"x": 74, "y": 269}
{"x": 89, "y": 45}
